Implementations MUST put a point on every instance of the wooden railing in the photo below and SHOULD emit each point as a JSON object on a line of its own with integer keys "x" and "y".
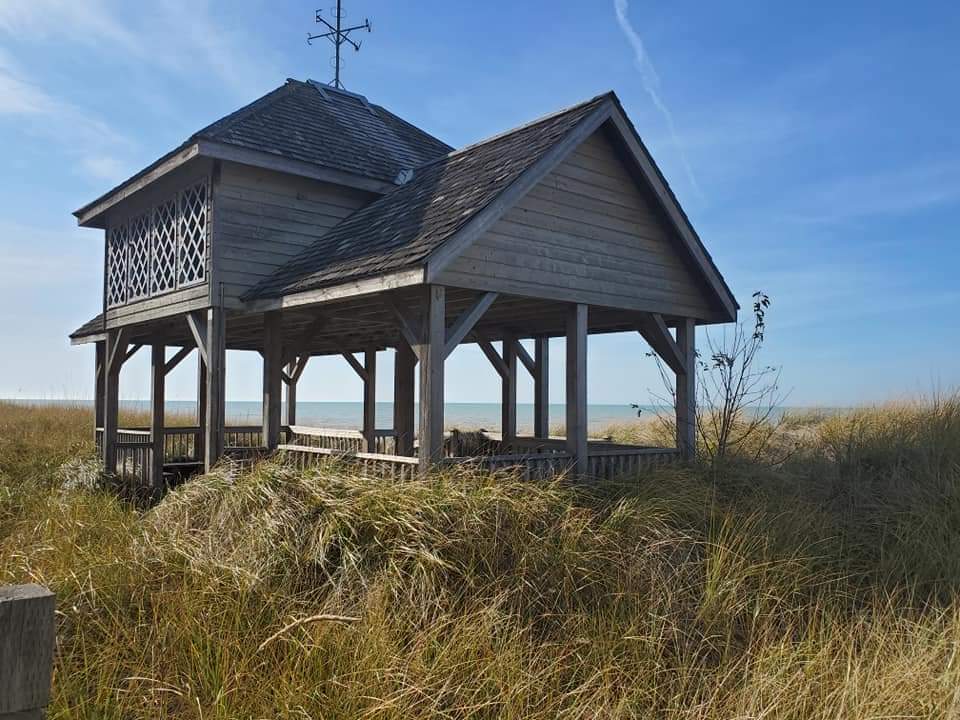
{"x": 625, "y": 462}
{"x": 133, "y": 464}
{"x": 535, "y": 466}
{"x": 395, "y": 467}
{"x": 352, "y": 441}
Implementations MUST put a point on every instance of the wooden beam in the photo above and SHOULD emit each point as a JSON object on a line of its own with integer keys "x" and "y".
{"x": 468, "y": 318}
{"x": 115, "y": 355}
{"x": 508, "y": 392}
{"x": 355, "y": 364}
{"x": 101, "y": 361}
{"x": 404, "y": 381}
{"x": 493, "y": 356}
{"x": 272, "y": 368}
{"x": 28, "y": 630}
{"x": 215, "y": 361}
{"x": 198, "y": 452}
{"x": 432, "y": 346}
{"x": 686, "y": 393}
{"x": 158, "y": 375}
{"x": 303, "y": 342}
{"x": 528, "y": 362}
{"x": 370, "y": 398}
{"x": 198, "y": 328}
{"x": 410, "y": 329}
{"x": 291, "y": 391}
{"x": 577, "y": 387}
{"x": 299, "y": 367}
{"x": 655, "y": 331}
{"x": 176, "y": 359}
{"x": 131, "y": 351}
{"x": 541, "y": 387}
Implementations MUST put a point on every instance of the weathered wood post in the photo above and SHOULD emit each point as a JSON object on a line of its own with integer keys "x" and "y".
{"x": 686, "y": 395}
{"x": 158, "y": 375}
{"x": 291, "y": 392}
{"x": 508, "y": 393}
{"x": 541, "y": 387}
{"x": 116, "y": 350}
{"x": 370, "y": 398}
{"x": 198, "y": 453}
{"x": 404, "y": 383}
{"x": 272, "y": 378}
{"x": 577, "y": 387}
{"x": 98, "y": 384}
{"x": 26, "y": 651}
{"x": 216, "y": 355}
{"x": 432, "y": 354}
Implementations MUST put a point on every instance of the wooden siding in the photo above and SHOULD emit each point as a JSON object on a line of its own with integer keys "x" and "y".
{"x": 264, "y": 219}
{"x": 171, "y": 302}
{"x": 588, "y": 234}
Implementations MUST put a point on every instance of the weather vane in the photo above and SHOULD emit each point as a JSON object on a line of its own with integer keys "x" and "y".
{"x": 338, "y": 35}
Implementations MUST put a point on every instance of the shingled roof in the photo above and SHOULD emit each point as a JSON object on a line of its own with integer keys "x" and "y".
{"x": 402, "y": 228}
{"x": 316, "y": 124}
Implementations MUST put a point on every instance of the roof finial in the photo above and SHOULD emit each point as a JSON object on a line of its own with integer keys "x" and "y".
{"x": 338, "y": 35}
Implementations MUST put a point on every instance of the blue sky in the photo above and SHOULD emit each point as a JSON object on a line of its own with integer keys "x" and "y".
{"x": 814, "y": 146}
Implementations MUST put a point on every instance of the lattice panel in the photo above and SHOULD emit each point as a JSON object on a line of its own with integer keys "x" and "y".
{"x": 164, "y": 267}
{"x": 117, "y": 266}
{"x": 138, "y": 258}
{"x": 193, "y": 234}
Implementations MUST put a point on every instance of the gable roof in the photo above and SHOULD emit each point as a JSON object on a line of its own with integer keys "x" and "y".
{"x": 452, "y": 200}
{"x": 311, "y": 125}
{"x": 402, "y": 228}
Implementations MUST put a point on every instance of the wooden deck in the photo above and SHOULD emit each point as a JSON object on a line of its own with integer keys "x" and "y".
{"x": 529, "y": 458}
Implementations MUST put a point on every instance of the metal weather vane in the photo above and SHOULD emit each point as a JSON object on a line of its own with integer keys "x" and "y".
{"x": 338, "y": 35}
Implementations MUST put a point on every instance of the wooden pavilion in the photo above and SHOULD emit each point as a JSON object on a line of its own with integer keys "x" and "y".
{"x": 312, "y": 222}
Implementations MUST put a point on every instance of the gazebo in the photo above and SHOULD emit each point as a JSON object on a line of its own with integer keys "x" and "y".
{"x": 313, "y": 222}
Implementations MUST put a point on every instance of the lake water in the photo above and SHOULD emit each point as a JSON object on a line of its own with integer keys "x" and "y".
{"x": 348, "y": 415}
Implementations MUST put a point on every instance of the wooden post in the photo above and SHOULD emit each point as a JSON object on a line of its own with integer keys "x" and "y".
{"x": 432, "y": 353}
{"x": 116, "y": 349}
{"x": 158, "y": 374}
{"x": 26, "y": 651}
{"x": 99, "y": 370}
{"x": 686, "y": 396}
{"x": 198, "y": 453}
{"x": 291, "y": 394}
{"x": 370, "y": 398}
{"x": 541, "y": 387}
{"x": 508, "y": 393}
{"x": 404, "y": 382}
{"x": 216, "y": 326}
{"x": 577, "y": 387}
{"x": 272, "y": 379}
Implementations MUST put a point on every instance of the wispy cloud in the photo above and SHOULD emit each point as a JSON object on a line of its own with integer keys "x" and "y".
{"x": 81, "y": 133}
{"x": 651, "y": 84}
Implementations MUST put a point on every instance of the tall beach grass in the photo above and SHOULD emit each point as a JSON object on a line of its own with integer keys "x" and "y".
{"x": 821, "y": 586}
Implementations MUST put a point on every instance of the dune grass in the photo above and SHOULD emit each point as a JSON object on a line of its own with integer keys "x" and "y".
{"x": 824, "y": 586}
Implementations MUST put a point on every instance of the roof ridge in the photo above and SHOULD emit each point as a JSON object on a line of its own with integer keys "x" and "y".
{"x": 518, "y": 128}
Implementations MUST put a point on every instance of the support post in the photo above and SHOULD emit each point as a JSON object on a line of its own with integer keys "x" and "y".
{"x": 115, "y": 350}
{"x": 404, "y": 381}
{"x": 686, "y": 395}
{"x": 216, "y": 392}
{"x": 198, "y": 453}
{"x": 291, "y": 394}
{"x": 431, "y": 352}
{"x": 370, "y": 398}
{"x": 99, "y": 370}
{"x": 272, "y": 378}
{"x": 541, "y": 387}
{"x": 577, "y": 387}
{"x": 508, "y": 393}
{"x": 158, "y": 356}
{"x": 27, "y": 633}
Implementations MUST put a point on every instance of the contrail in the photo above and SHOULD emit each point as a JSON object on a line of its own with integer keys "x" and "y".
{"x": 651, "y": 83}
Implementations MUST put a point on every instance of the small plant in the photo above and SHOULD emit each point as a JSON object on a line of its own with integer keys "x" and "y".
{"x": 738, "y": 397}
